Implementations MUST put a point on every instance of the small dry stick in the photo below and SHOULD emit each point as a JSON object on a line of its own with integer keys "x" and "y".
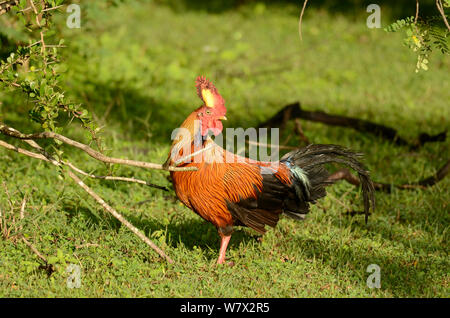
{"x": 52, "y": 8}
{"x": 338, "y": 201}
{"x": 299, "y": 129}
{"x": 346, "y": 175}
{"x": 300, "y": 20}
{"x": 35, "y": 251}
{"x": 285, "y": 142}
{"x": 118, "y": 216}
{"x": 108, "y": 208}
{"x": 126, "y": 179}
{"x": 260, "y": 144}
{"x": 442, "y": 12}
{"x": 179, "y": 161}
{"x": 22, "y": 207}
{"x": 87, "y": 245}
{"x": 417, "y": 12}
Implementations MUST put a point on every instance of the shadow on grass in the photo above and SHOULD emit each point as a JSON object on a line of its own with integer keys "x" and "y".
{"x": 400, "y": 273}
{"x": 191, "y": 232}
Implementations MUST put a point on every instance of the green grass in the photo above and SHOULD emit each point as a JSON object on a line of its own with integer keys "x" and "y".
{"x": 134, "y": 66}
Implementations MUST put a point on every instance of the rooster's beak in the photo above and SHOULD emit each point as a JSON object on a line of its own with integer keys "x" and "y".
{"x": 223, "y": 118}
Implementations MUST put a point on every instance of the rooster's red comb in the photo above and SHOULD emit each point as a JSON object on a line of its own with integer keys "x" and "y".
{"x": 208, "y": 93}
{"x": 203, "y": 83}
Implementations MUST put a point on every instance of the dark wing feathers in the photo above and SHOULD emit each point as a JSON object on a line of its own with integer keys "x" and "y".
{"x": 253, "y": 218}
{"x": 266, "y": 208}
{"x": 308, "y": 179}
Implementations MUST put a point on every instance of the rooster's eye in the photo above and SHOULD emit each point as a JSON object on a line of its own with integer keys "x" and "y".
{"x": 208, "y": 112}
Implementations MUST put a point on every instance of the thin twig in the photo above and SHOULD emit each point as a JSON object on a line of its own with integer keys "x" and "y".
{"x": 22, "y": 207}
{"x": 34, "y": 249}
{"x": 78, "y": 181}
{"x": 300, "y": 20}
{"x": 36, "y": 13}
{"x": 87, "y": 245}
{"x": 285, "y": 142}
{"x": 26, "y": 9}
{"x": 33, "y": 44}
{"x": 332, "y": 197}
{"x": 23, "y": 151}
{"x": 126, "y": 179}
{"x": 38, "y": 22}
{"x": 54, "y": 45}
{"x": 417, "y": 12}
{"x": 118, "y": 216}
{"x": 179, "y": 161}
{"x": 346, "y": 175}
{"x": 440, "y": 7}
{"x": 52, "y": 8}
{"x": 91, "y": 152}
{"x": 260, "y": 144}
{"x": 299, "y": 129}
{"x": 42, "y": 42}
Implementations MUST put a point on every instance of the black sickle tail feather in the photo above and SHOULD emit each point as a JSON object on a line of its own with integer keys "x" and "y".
{"x": 312, "y": 177}
{"x": 309, "y": 179}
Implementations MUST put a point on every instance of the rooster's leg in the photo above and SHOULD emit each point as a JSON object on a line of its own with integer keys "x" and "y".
{"x": 225, "y": 239}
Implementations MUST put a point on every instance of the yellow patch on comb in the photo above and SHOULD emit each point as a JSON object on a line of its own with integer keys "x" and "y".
{"x": 208, "y": 98}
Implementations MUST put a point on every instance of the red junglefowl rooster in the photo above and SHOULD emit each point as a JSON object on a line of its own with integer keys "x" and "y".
{"x": 240, "y": 192}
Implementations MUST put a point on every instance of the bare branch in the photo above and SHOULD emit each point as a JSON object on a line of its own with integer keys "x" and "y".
{"x": 91, "y": 152}
{"x": 118, "y": 216}
{"x": 440, "y": 8}
{"x": 37, "y": 15}
{"x": 49, "y": 158}
{"x": 78, "y": 181}
{"x": 295, "y": 110}
{"x": 346, "y": 175}
{"x": 34, "y": 249}
{"x": 23, "y": 151}
{"x": 126, "y": 179}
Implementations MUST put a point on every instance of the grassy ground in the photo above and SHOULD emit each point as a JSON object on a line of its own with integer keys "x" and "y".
{"x": 134, "y": 66}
